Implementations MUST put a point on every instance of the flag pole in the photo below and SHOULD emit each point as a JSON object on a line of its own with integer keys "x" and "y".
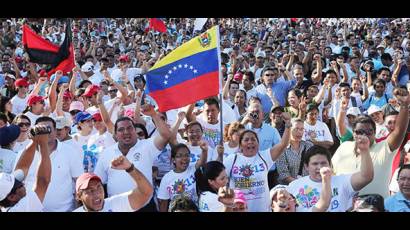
{"x": 220, "y": 84}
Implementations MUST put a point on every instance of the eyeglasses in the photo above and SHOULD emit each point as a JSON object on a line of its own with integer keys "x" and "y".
{"x": 366, "y": 132}
{"x": 269, "y": 74}
{"x": 187, "y": 155}
{"x": 113, "y": 91}
{"x": 22, "y": 124}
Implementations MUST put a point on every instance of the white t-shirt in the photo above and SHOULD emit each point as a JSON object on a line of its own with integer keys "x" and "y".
{"x": 65, "y": 166}
{"x": 19, "y": 104}
{"x": 229, "y": 151}
{"x": 381, "y": 131}
{"x": 117, "y": 203}
{"x": 196, "y": 153}
{"x": 173, "y": 184}
{"x": 21, "y": 145}
{"x": 96, "y": 78}
{"x": 394, "y": 185}
{"x": 33, "y": 117}
{"x": 29, "y": 203}
{"x": 7, "y": 159}
{"x": 89, "y": 158}
{"x": 163, "y": 162}
{"x": 307, "y": 193}
{"x": 321, "y": 130}
{"x": 211, "y": 133}
{"x": 208, "y": 202}
{"x": 250, "y": 175}
{"x": 131, "y": 73}
{"x": 142, "y": 155}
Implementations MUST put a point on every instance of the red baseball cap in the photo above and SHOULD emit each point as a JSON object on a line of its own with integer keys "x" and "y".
{"x": 67, "y": 94}
{"x": 34, "y": 99}
{"x": 97, "y": 117}
{"x": 123, "y": 58}
{"x": 21, "y": 82}
{"x": 91, "y": 90}
{"x": 83, "y": 181}
{"x": 42, "y": 73}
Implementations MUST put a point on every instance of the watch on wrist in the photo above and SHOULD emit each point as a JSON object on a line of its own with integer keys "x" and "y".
{"x": 288, "y": 125}
{"x": 130, "y": 169}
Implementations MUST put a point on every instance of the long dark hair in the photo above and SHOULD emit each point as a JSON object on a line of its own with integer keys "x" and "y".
{"x": 210, "y": 171}
{"x": 3, "y": 101}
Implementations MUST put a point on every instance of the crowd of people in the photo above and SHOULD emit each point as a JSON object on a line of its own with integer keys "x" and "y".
{"x": 315, "y": 118}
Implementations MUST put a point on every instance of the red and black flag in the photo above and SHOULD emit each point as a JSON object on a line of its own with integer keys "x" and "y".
{"x": 42, "y": 51}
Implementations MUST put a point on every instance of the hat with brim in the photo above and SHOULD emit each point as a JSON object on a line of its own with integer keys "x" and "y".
{"x": 83, "y": 181}
{"x": 8, "y": 134}
{"x": 82, "y": 116}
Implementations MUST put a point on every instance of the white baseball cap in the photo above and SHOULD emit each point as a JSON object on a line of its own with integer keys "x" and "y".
{"x": 353, "y": 111}
{"x": 260, "y": 54}
{"x": 62, "y": 122}
{"x": 373, "y": 109}
{"x": 87, "y": 67}
{"x": 6, "y": 184}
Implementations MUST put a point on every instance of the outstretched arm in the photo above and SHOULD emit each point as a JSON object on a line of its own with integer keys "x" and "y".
{"x": 44, "y": 169}
{"x": 175, "y": 127}
{"x": 362, "y": 178}
{"x": 400, "y": 128}
{"x": 279, "y": 148}
{"x": 164, "y": 133}
{"x": 326, "y": 194}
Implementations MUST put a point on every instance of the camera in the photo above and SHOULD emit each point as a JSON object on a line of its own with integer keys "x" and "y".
{"x": 254, "y": 116}
{"x": 34, "y": 131}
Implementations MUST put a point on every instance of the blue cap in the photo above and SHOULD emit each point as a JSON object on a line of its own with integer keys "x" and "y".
{"x": 63, "y": 79}
{"x": 8, "y": 134}
{"x": 82, "y": 116}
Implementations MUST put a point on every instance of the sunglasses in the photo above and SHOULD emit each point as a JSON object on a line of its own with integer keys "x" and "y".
{"x": 366, "y": 132}
{"x": 22, "y": 124}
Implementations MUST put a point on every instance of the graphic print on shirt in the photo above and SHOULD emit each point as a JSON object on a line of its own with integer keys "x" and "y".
{"x": 212, "y": 136}
{"x": 247, "y": 180}
{"x": 90, "y": 157}
{"x": 182, "y": 186}
{"x": 307, "y": 196}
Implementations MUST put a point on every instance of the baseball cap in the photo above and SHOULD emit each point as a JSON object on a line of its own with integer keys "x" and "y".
{"x": 97, "y": 116}
{"x": 21, "y": 82}
{"x": 83, "y": 180}
{"x": 373, "y": 109}
{"x": 62, "y": 122}
{"x": 82, "y": 116}
{"x": 76, "y": 105}
{"x": 353, "y": 111}
{"x": 6, "y": 184}
{"x": 67, "y": 94}
{"x": 87, "y": 67}
{"x": 63, "y": 79}
{"x": 311, "y": 107}
{"x": 32, "y": 99}
{"x": 277, "y": 107}
{"x": 91, "y": 90}
{"x": 9, "y": 134}
{"x": 239, "y": 197}
{"x": 238, "y": 76}
{"x": 123, "y": 58}
{"x": 260, "y": 54}
{"x": 275, "y": 190}
{"x": 10, "y": 76}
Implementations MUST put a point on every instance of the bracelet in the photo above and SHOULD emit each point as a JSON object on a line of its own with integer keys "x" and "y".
{"x": 288, "y": 125}
{"x": 130, "y": 169}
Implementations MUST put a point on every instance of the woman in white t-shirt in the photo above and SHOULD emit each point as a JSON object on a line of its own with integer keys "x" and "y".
{"x": 248, "y": 169}
{"x": 180, "y": 180}
{"x": 36, "y": 108}
{"x": 22, "y": 141}
{"x": 209, "y": 179}
{"x": 316, "y": 131}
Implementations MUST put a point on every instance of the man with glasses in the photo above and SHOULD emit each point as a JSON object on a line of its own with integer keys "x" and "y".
{"x": 400, "y": 202}
{"x": 19, "y": 101}
{"x": 345, "y": 160}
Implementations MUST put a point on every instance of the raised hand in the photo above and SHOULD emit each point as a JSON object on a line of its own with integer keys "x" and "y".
{"x": 220, "y": 150}
{"x": 344, "y": 104}
{"x": 302, "y": 104}
{"x": 226, "y": 196}
{"x": 121, "y": 163}
{"x": 148, "y": 110}
{"x": 203, "y": 145}
{"x": 286, "y": 117}
{"x": 181, "y": 115}
{"x": 326, "y": 173}
{"x": 362, "y": 144}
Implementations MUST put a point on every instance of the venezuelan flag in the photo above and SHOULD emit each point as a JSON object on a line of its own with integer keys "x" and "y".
{"x": 187, "y": 74}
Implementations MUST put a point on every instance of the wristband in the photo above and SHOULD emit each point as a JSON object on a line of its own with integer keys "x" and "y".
{"x": 130, "y": 169}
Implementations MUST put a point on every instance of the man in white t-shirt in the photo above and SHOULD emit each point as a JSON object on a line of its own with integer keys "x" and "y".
{"x": 141, "y": 153}
{"x": 13, "y": 194}
{"x": 19, "y": 101}
{"x": 90, "y": 191}
{"x": 124, "y": 70}
{"x": 94, "y": 76}
{"x": 307, "y": 190}
{"x": 66, "y": 167}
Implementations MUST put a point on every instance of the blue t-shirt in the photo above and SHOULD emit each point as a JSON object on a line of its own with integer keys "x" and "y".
{"x": 397, "y": 203}
{"x": 373, "y": 100}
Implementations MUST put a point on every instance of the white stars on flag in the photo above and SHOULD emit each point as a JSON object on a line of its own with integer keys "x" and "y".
{"x": 174, "y": 71}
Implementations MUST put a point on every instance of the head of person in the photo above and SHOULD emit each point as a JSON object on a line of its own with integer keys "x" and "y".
{"x": 269, "y": 75}
{"x": 67, "y": 99}
{"x": 9, "y": 80}
{"x": 240, "y": 203}
{"x": 314, "y": 159}
{"x": 390, "y": 120}
{"x": 312, "y": 91}
{"x": 234, "y": 130}
{"x": 297, "y": 130}
{"x": 75, "y": 107}
{"x": 376, "y": 113}
{"x": 90, "y": 191}
{"x": 332, "y": 75}
{"x": 84, "y": 84}
{"x": 368, "y": 203}
{"x": 50, "y": 122}
{"x": 240, "y": 97}
{"x": 23, "y": 122}
{"x": 312, "y": 112}
{"x": 386, "y": 59}
{"x": 248, "y": 79}
{"x": 112, "y": 91}
{"x": 88, "y": 68}
{"x": 124, "y": 132}
{"x": 63, "y": 128}
{"x": 36, "y": 104}
{"x": 141, "y": 131}
{"x": 180, "y": 157}
{"x": 384, "y": 74}
{"x": 22, "y": 85}
{"x": 282, "y": 199}
{"x": 276, "y": 114}
{"x": 233, "y": 87}
{"x": 298, "y": 74}
{"x": 210, "y": 177}
{"x": 5, "y": 105}
{"x": 256, "y": 112}
{"x": 351, "y": 115}
{"x": 9, "y": 135}
{"x": 403, "y": 180}
{"x": 294, "y": 97}
{"x": 194, "y": 132}
{"x": 182, "y": 203}
{"x": 83, "y": 120}
{"x": 345, "y": 89}
{"x": 11, "y": 190}
{"x": 98, "y": 122}
{"x": 249, "y": 143}
{"x": 379, "y": 86}
{"x": 356, "y": 84}
{"x": 364, "y": 125}
{"x": 91, "y": 93}
{"x": 211, "y": 110}
{"x": 139, "y": 82}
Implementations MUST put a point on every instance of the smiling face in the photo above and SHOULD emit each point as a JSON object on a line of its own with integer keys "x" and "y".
{"x": 404, "y": 182}
{"x": 194, "y": 134}
{"x": 93, "y": 196}
{"x": 181, "y": 159}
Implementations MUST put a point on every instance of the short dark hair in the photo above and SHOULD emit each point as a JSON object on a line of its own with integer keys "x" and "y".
{"x": 268, "y": 68}
{"x": 364, "y": 119}
{"x": 141, "y": 126}
{"x": 242, "y": 135}
{"x": 316, "y": 150}
{"x": 383, "y": 69}
{"x": 386, "y": 56}
{"x": 182, "y": 202}
{"x": 192, "y": 123}
{"x": 330, "y": 71}
{"x": 379, "y": 81}
{"x": 46, "y": 119}
{"x": 406, "y": 166}
{"x": 122, "y": 119}
{"x": 212, "y": 101}
{"x": 251, "y": 75}
{"x": 344, "y": 84}
{"x": 174, "y": 149}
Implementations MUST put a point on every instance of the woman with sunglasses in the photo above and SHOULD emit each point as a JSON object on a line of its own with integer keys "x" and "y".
{"x": 22, "y": 141}
{"x": 180, "y": 180}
